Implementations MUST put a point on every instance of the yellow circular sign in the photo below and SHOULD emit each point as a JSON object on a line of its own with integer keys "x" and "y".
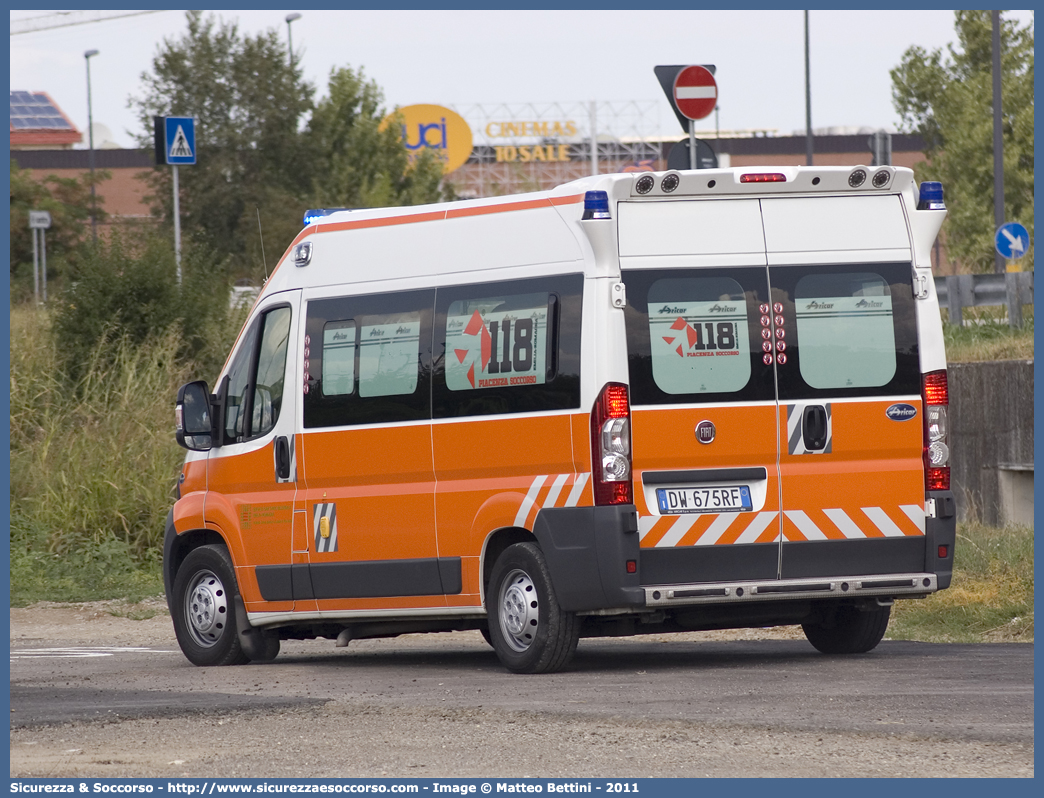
{"x": 432, "y": 127}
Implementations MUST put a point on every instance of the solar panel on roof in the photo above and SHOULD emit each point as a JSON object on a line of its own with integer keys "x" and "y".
{"x": 31, "y": 111}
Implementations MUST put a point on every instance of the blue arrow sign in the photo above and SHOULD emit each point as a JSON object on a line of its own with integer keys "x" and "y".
{"x": 1012, "y": 240}
{"x": 181, "y": 140}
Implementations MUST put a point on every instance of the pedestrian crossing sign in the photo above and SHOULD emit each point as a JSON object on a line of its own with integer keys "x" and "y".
{"x": 179, "y": 141}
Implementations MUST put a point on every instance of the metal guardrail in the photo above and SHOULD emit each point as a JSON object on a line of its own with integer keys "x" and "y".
{"x": 958, "y": 291}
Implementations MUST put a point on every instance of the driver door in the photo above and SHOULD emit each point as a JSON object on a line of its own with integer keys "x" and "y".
{"x": 252, "y": 476}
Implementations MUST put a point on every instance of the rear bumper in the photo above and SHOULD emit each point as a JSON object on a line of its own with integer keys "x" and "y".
{"x": 852, "y": 587}
{"x": 588, "y": 549}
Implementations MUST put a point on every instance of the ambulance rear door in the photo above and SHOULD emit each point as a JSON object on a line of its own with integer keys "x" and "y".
{"x": 845, "y": 348}
{"x": 704, "y": 424}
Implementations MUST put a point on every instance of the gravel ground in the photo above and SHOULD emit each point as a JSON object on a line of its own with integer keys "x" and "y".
{"x": 350, "y": 737}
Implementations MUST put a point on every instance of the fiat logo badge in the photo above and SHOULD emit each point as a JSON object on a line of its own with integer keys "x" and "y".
{"x": 705, "y": 432}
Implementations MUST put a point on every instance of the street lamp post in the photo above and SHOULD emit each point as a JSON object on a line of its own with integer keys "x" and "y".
{"x": 289, "y": 39}
{"x": 90, "y": 138}
{"x": 808, "y": 100}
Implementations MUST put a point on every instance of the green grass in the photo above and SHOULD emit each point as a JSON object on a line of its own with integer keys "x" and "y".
{"x": 986, "y": 336}
{"x": 990, "y": 599}
{"x": 93, "y": 466}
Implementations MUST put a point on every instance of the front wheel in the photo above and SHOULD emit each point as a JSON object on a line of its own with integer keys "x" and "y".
{"x": 204, "y": 608}
{"x": 527, "y": 628}
{"x": 849, "y": 630}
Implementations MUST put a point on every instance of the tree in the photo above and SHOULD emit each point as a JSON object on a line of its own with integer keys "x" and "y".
{"x": 947, "y": 99}
{"x": 265, "y": 151}
{"x": 248, "y": 103}
{"x": 68, "y": 201}
{"x": 365, "y": 165}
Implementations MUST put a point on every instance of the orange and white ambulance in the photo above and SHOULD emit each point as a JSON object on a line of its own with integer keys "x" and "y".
{"x": 637, "y": 403}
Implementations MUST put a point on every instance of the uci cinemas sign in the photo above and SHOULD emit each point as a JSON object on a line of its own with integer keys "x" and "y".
{"x": 433, "y": 127}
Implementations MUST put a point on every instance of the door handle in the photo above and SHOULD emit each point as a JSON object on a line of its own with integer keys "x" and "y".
{"x": 282, "y": 458}
{"x": 814, "y": 427}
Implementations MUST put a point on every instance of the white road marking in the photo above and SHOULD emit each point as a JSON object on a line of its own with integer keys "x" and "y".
{"x": 81, "y": 652}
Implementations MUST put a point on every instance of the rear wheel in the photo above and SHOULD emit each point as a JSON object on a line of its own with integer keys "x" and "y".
{"x": 204, "y": 608}
{"x": 527, "y": 628}
{"x": 849, "y": 630}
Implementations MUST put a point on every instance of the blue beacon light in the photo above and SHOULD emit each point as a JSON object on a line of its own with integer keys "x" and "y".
{"x": 931, "y": 197}
{"x": 318, "y": 214}
{"x": 596, "y": 205}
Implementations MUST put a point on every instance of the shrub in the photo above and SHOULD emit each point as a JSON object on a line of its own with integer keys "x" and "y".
{"x": 127, "y": 291}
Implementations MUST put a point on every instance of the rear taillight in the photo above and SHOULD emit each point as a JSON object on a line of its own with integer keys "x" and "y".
{"x": 936, "y": 454}
{"x": 611, "y": 446}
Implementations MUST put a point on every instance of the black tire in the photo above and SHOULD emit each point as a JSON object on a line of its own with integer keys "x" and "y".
{"x": 204, "y": 608}
{"x": 484, "y": 631}
{"x": 528, "y": 630}
{"x": 849, "y": 630}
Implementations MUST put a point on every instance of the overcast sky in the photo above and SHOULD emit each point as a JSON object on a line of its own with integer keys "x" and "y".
{"x": 459, "y": 58}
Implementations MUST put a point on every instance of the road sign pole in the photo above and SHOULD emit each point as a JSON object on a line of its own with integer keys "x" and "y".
{"x": 177, "y": 223}
{"x": 692, "y": 143}
{"x": 36, "y": 268}
{"x": 43, "y": 262}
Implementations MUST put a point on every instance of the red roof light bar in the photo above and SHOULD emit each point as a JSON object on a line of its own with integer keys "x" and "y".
{"x": 763, "y": 177}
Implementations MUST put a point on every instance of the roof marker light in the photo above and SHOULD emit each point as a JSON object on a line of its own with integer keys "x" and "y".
{"x": 596, "y": 205}
{"x": 316, "y": 214}
{"x": 763, "y": 177}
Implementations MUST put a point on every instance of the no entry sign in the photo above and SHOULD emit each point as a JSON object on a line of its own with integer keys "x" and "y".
{"x": 695, "y": 92}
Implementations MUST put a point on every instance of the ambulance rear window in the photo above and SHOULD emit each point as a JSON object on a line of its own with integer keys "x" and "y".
{"x": 698, "y": 335}
{"x": 846, "y": 329}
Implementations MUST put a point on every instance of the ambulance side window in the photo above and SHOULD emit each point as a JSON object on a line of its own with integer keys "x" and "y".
{"x": 368, "y": 359}
{"x": 508, "y": 347}
{"x": 271, "y": 371}
{"x": 256, "y": 378}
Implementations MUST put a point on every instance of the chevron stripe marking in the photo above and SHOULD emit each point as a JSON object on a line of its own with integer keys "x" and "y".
{"x": 529, "y": 501}
{"x": 915, "y": 513}
{"x": 841, "y": 520}
{"x": 716, "y": 529}
{"x": 806, "y": 526}
{"x": 676, "y": 532}
{"x": 556, "y": 488}
{"x": 881, "y": 520}
{"x": 578, "y": 489}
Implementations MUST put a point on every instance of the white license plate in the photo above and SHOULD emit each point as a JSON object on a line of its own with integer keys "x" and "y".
{"x": 731, "y": 499}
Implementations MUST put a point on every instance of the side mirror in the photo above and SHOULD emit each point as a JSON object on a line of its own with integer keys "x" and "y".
{"x": 192, "y": 417}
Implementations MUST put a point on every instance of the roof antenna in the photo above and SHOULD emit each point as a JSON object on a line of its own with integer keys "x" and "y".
{"x": 259, "y": 235}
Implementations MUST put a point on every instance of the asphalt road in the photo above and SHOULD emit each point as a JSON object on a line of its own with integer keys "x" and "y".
{"x": 442, "y": 705}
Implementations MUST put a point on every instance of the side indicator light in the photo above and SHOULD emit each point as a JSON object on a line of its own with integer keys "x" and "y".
{"x": 944, "y": 552}
{"x": 632, "y": 566}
